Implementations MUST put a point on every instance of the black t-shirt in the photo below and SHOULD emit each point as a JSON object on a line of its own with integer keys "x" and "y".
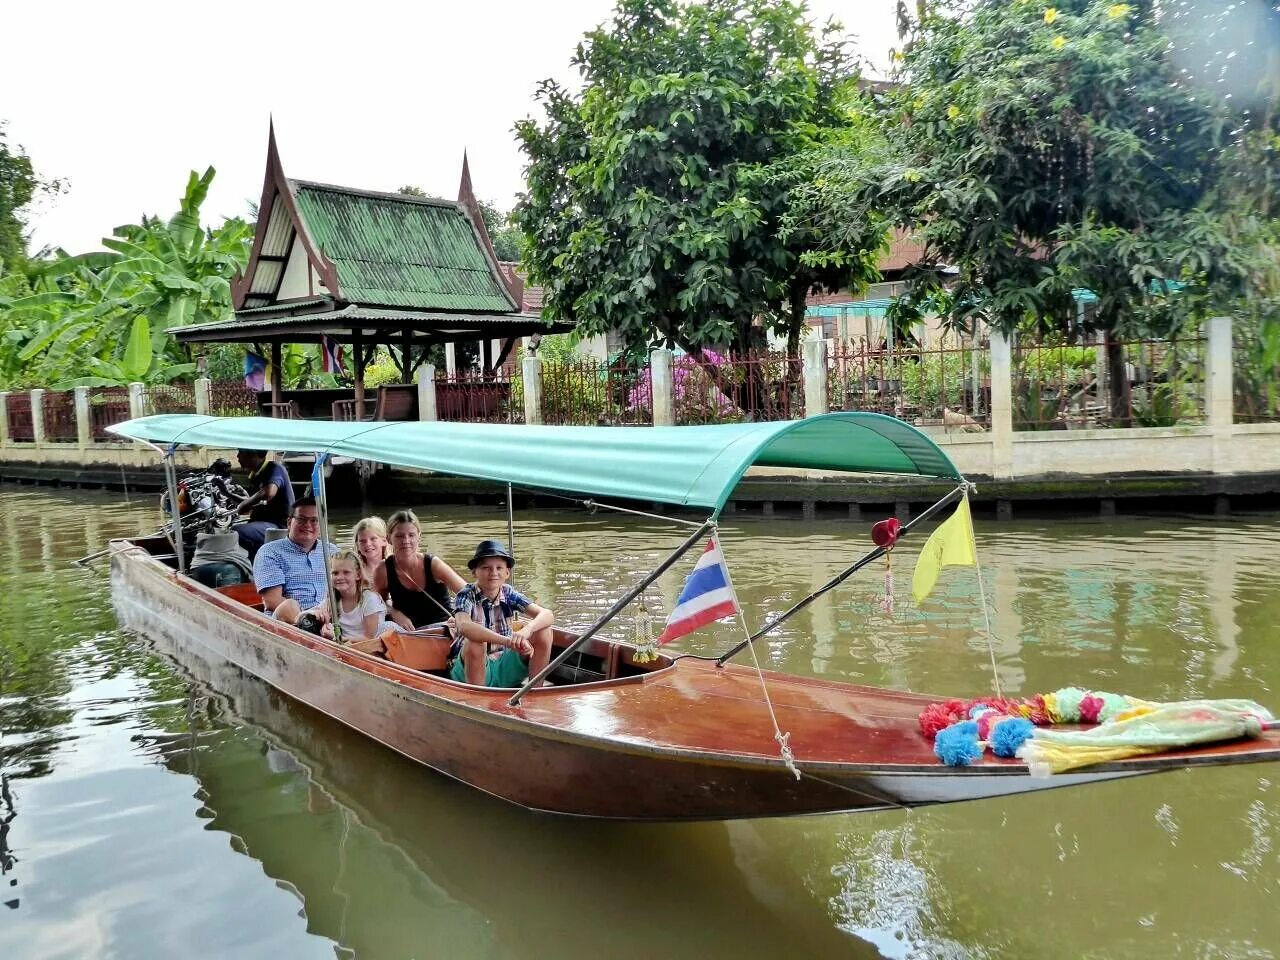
{"x": 412, "y": 603}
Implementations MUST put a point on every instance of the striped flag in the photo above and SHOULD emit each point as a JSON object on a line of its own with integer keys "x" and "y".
{"x": 330, "y": 355}
{"x": 707, "y": 596}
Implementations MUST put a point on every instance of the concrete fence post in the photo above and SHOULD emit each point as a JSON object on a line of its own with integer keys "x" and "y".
{"x": 661, "y": 385}
{"x": 531, "y": 367}
{"x": 4, "y": 418}
{"x": 427, "y": 409}
{"x": 815, "y": 378}
{"x": 204, "y": 395}
{"x": 1220, "y": 391}
{"x": 1001, "y": 406}
{"x": 1219, "y": 400}
{"x": 137, "y": 401}
{"x": 84, "y": 425}
{"x": 37, "y": 415}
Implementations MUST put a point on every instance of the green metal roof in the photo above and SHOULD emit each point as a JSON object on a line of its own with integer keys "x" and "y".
{"x": 400, "y": 251}
{"x": 696, "y": 466}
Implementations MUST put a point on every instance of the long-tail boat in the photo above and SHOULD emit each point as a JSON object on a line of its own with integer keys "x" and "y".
{"x": 617, "y": 735}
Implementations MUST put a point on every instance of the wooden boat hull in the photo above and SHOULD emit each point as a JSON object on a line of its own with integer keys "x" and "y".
{"x": 638, "y": 748}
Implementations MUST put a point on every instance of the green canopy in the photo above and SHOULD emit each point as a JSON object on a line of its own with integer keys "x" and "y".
{"x": 689, "y": 466}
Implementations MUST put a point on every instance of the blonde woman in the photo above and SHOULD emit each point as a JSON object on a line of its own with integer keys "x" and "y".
{"x": 417, "y": 583}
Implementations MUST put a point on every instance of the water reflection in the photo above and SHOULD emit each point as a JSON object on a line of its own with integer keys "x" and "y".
{"x": 145, "y": 802}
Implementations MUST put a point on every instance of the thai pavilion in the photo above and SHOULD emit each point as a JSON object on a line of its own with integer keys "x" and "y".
{"x": 369, "y": 269}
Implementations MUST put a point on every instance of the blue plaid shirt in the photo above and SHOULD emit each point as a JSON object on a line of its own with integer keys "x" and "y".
{"x": 282, "y": 563}
{"x": 494, "y": 614}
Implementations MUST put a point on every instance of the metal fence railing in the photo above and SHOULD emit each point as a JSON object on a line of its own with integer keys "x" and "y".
{"x": 594, "y": 392}
{"x": 60, "y": 416}
{"x": 107, "y": 406}
{"x": 231, "y": 398}
{"x": 715, "y": 388}
{"x": 169, "y": 398}
{"x": 473, "y": 397}
{"x": 1061, "y": 386}
{"x": 947, "y": 384}
{"x": 18, "y": 413}
{"x": 1255, "y": 376}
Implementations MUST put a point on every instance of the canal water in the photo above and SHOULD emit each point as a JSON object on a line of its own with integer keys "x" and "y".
{"x": 146, "y": 811}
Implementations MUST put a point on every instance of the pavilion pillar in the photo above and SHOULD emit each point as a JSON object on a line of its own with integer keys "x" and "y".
{"x": 276, "y": 361}
{"x": 357, "y": 348}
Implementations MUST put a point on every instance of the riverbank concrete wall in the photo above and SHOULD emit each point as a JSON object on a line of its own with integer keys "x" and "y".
{"x": 1219, "y": 458}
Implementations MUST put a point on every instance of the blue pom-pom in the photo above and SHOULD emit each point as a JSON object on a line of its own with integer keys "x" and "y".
{"x": 957, "y": 745}
{"x": 1009, "y": 735}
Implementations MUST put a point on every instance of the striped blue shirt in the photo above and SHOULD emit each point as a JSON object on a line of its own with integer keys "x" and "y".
{"x": 282, "y": 563}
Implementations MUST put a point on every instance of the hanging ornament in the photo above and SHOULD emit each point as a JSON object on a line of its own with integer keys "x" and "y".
{"x": 885, "y": 534}
{"x": 646, "y": 643}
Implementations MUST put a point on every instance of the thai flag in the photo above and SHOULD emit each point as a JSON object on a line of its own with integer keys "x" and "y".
{"x": 330, "y": 355}
{"x": 707, "y": 596}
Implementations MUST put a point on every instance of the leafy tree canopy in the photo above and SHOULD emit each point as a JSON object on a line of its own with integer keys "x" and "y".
{"x": 18, "y": 187}
{"x": 1041, "y": 147}
{"x": 658, "y": 193}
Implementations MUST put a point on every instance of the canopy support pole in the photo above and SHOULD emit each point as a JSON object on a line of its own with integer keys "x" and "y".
{"x": 511, "y": 523}
{"x": 322, "y": 507}
{"x": 175, "y": 511}
{"x": 612, "y": 612}
{"x": 839, "y": 578}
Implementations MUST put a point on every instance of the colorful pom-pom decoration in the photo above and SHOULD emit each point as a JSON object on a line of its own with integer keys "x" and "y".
{"x": 957, "y": 745}
{"x": 1010, "y": 734}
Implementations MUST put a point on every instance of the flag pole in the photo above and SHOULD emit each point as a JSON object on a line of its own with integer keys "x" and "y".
{"x": 982, "y": 596}
{"x": 840, "y": 577}
{"x": 612, "y": 612}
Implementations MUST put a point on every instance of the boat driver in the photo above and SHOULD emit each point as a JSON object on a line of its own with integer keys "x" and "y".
{"x": 289, "y": 572}
{"x": 269, "y": 504}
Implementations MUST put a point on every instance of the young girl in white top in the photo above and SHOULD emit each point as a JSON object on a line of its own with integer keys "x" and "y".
{"x": 361, "y": 612}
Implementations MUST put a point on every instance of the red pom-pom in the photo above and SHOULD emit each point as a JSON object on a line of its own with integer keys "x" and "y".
{"x": 938, "y": 716}
{"x": 987, "y": 720}
{"x": 1090, "y": 707}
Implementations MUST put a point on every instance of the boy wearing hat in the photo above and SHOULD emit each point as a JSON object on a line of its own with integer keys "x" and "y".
{"x": 493, "y": 653}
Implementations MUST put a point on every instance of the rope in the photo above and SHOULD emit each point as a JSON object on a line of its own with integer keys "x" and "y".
{"x": 982, "y": 596}
{"x": 783, "y": 739}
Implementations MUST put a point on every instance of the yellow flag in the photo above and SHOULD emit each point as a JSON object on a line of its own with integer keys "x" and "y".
{"x": 951, "y": 545}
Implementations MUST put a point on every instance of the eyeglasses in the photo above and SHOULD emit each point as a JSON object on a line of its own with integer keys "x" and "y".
{"x": 305, "y": 521}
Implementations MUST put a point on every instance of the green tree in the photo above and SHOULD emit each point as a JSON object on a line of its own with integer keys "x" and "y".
{"x": 504, "y": 234}
{"x": 1039, "y": 148}
{"x": 658, "y": 193}
{"x": 18, "y": 187}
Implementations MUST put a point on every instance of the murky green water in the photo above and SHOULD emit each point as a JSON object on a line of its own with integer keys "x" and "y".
{"x": 149, "y": 813}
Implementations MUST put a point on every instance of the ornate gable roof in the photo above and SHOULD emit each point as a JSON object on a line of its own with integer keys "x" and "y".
{"x": 363, "y": 247}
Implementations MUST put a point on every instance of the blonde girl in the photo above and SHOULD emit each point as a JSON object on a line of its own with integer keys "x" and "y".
{"x": 361, "y": 612}
{"x": 370, "y": 541}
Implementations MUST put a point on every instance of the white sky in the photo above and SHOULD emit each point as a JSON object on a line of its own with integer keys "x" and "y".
{"x": 122, "y": 99}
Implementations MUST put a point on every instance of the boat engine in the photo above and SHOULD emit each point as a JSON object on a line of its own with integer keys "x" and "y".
{"x": 207, "y": 502}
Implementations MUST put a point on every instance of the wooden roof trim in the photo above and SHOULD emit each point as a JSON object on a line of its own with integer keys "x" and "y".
{"x": 275, "y": 184}
{"x": 469, "y": 205}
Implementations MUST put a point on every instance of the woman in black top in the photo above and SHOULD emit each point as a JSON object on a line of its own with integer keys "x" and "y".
{"x": 417, "y": 584}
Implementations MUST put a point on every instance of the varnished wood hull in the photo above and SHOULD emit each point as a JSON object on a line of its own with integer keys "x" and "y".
{"x": 687, "y": 742}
